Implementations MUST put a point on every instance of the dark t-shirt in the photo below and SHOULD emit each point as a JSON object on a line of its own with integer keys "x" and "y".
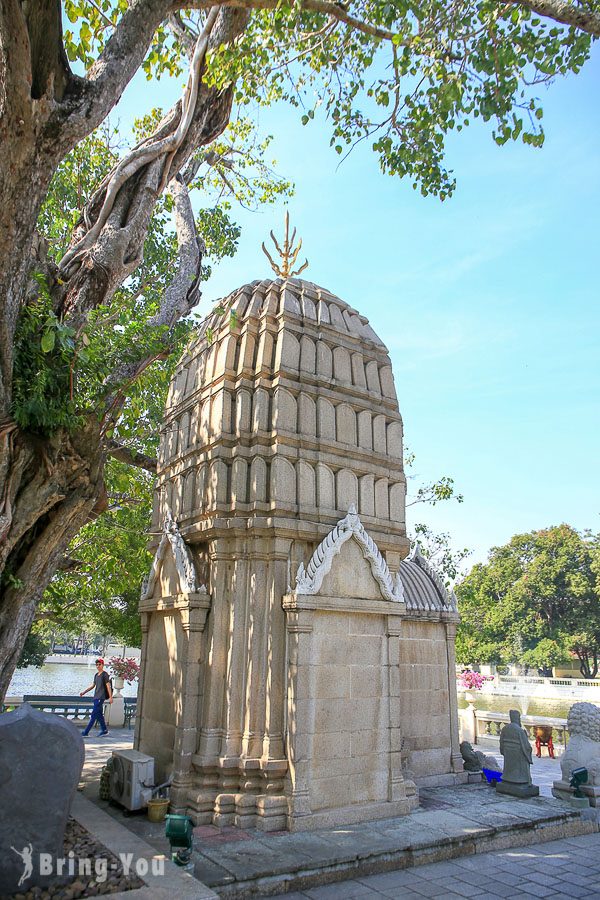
{"x": 100, "y": 682}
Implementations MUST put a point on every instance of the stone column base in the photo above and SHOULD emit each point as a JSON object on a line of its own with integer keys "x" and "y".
{"x": 352, "y": 815}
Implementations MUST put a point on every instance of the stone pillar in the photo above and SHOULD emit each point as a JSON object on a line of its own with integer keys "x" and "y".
{"x": 193, "y": 621}
{"x": 145, "y": 624}
{"x": 300, "y": 710}
{"x": 455, "y": 755}
{"x": 398, "y": 788}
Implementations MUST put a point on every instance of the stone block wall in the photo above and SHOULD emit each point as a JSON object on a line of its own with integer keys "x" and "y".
{"x": 425, "y": 689}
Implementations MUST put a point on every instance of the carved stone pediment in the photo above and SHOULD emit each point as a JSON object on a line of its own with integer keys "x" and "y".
{"x": 173, "y": 541}
{"x": 310, "y": 579}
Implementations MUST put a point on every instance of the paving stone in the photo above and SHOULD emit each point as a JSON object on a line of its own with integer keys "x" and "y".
{"x": 536, "y": 890}
{"x": 429, "y": 889}
{"x": 349, "y": 890}
{"x": 293, "y": 896}
{"x": 388, "y": 880}
{"x": 439, "y": 870}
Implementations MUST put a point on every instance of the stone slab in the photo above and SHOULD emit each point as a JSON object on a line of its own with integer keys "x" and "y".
{"x": 41, "y": 757}
{"x": 471, "y": 819}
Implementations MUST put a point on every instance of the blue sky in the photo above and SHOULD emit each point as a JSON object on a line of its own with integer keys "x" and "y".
{"x": 488, "y": 302}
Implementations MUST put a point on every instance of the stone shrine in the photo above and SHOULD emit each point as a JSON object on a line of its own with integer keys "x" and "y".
{"x": 297, "y": 667}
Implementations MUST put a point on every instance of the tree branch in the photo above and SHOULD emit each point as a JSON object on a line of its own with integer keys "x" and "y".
{"x": 103, "y": 85}
{"x": 180, "y": 297}
{"x": 328, "y": 8}
{"x": 131, "y": 457}
{"x": 580, "y": 17}
{"x": 146, "y": 152}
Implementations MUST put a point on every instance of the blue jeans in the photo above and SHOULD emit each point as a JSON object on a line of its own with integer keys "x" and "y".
{"x": 97, "y": 716}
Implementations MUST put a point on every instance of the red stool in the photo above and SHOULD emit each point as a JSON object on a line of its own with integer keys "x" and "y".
{"x": 543, "y": 737}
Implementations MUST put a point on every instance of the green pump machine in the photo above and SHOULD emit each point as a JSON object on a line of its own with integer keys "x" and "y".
{"x": 179, "y": 831}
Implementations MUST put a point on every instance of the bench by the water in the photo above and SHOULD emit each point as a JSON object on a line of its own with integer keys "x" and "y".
{"x": 75, "y": 708}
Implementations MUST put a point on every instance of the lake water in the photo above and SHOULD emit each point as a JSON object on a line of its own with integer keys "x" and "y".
{"x": 66, "y": 678}
{"x": 556, "y": 709}
{"x": 58, "y": 678}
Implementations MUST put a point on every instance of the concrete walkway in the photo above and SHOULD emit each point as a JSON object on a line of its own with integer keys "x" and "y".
{"x": 456, "y": 825}
{"x": 562, "y": 870}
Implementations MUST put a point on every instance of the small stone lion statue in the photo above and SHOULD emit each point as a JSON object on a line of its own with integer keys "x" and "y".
{"x": 583, "y": 749}
{"x": 475, "y": 760}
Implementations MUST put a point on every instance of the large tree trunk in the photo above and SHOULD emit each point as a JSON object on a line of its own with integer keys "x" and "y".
{"x": 51, "y": 487}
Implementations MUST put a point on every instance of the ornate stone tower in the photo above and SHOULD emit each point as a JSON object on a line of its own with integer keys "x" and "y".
{"x": 265, "y": 625}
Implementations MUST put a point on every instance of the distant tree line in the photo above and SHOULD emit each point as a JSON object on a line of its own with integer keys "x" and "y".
{"x": 535, "y": 602}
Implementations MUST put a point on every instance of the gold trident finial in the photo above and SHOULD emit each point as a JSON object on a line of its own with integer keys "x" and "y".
{"x": 289, "y": 255}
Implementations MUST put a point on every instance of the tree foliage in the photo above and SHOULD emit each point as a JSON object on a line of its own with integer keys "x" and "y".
{"x": 536, "y": 602}
{"x": 89, "y": 308}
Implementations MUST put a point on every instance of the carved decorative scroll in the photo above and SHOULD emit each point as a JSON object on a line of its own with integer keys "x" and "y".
{"x": 184, "y": 564}
{"x": 309, "y": 580}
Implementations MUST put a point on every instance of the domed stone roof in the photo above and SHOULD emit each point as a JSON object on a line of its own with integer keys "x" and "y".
{"x": 299, "y": 298}
{"x": 284, "y": 407}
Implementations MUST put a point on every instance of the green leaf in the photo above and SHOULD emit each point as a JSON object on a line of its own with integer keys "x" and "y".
{"x": 48, "y": 341}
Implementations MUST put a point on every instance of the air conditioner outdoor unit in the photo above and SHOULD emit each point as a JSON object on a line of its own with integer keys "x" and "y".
{"x": 132, "y": 778}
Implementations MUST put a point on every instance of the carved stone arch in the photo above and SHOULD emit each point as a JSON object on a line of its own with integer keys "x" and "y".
{"x": 239, "y": 481}
{"x": 379, "y": 434}
{"x": 226, "y": 355}
{"x": 342, "y": 367}
{"x": 358, "y": 371}
{"x": 325, "y": 419}
{"x": 336, "y": 317}
{"x": 310, "y": 580}
{"x": 308, "y": 355}
{"x": 258, "y": 480}
{"x": 372, "y": 372}
{"x": 204, "y": 423}
{"x": 307, "y": 485}
{"x": 201, "y": 498}
{"x": 365, "y": 429}
{"x": 184, "y": 433}
{"x": 261, "y": 410}
{"x": 177, "y": 497}
{"x": 345, "y": 421}
{"x": 307, "y": 416}
{"x": 283, "y": 481}
{"x": 290, "y": 352}
{"x": 386, "y": 378}
{"x": 346, "y": 489}
{"x": 325, "y": 487}
{"x": 367, "y": 495}
{"x": 217, "y": 488}
{"x": 166, "y": 497}
{"x": 324, "y": 360}
{"x": 201, "y": 370}
{"x": 398, "y": 502}
{"x": 188, "y": 493}
{"x": 285, "y": 413}
{"x": 382, "y": 500}
{"x": 243, "y": 412}
{"x": 171, "y": 438}
{"x": 394, "y": 440}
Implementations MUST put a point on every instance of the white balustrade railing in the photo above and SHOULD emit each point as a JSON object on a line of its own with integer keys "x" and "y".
{"x": 488, "y": 725}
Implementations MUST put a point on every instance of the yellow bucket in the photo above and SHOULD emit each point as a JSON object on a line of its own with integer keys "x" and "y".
{"x": 157, "y": 809}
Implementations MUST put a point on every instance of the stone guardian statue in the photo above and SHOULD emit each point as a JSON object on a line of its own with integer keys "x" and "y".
{"x": 516, "y": 750}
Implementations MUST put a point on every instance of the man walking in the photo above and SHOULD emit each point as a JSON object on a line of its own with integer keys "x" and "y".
{"x": 102, "y": 692}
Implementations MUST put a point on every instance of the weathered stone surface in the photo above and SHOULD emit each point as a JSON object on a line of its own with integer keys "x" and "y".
{"x": 41, "y": 758}
{"x": 288, "y": 417}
